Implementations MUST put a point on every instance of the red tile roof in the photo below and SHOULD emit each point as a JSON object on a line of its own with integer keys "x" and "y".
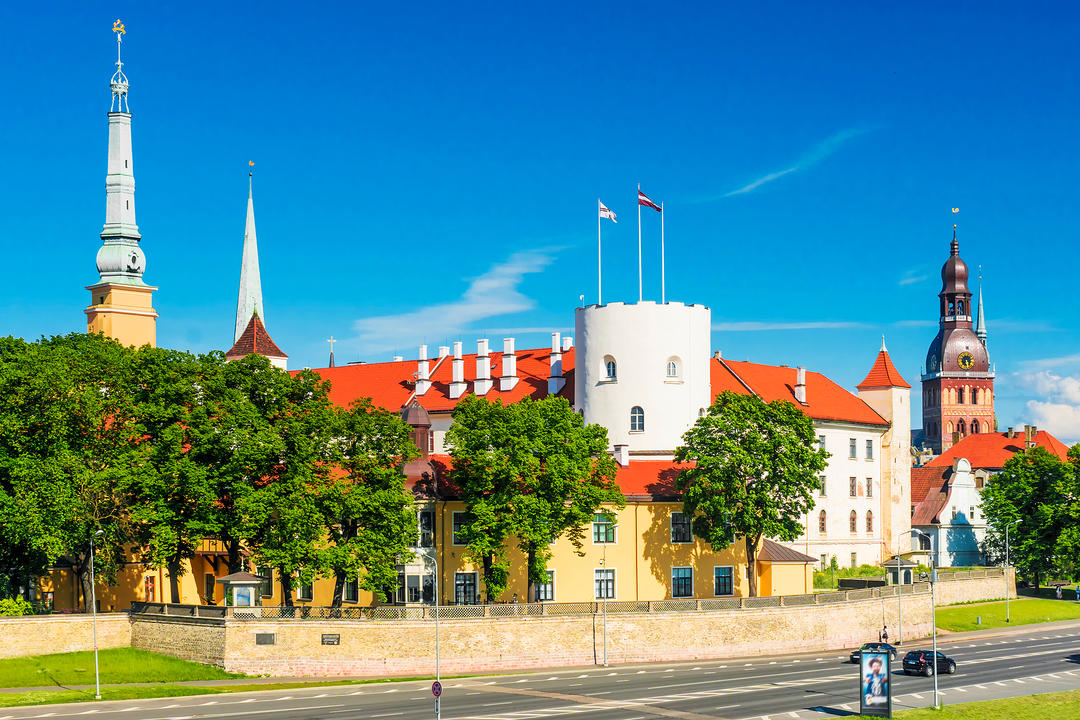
{"x": 825, "y": 400}
{"x": 883, "y": 373}
{"x": 928, "y": 511}
{"x": 649, "y": 479}
{"x": 925, "y": 477}
{"x": 254, "y": 340}
{"x": 992, "y": 450}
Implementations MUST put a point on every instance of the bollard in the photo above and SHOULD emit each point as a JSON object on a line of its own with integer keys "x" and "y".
{"x": 978, "y": 620}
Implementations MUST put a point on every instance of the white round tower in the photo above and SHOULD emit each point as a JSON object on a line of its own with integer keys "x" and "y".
{"x": 642, "y": 371}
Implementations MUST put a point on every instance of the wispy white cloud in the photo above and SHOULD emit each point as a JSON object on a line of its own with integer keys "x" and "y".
{"x": 912, "y": 276}
{"x": 753, "y": 326}
{"x": 492, "y": 294}
{"x": 1058, "y": 408}
{"x": 807, "y": 160}
{"x": 1054, "y": 362}
{"x": 915, "y": 323}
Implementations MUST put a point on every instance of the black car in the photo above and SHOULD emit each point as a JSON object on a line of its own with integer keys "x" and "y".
{"x": 921, "y": 662}
{"x": 879, "y": 647}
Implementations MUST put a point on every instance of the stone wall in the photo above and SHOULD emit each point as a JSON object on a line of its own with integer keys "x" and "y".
{"x": 960, "y": 587}
{"x": 188, "y": 638}
{"x": 44, "y": 634}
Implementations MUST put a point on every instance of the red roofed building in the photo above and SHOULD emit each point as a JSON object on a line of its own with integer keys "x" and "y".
{"x": 256, "y": 341}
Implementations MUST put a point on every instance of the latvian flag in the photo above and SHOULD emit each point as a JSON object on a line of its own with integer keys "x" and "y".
{"x": 643, "y": 199}
{"x": 606, "y": 213}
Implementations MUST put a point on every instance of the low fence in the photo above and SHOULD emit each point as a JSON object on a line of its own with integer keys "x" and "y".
{"x": 512, "y": 610}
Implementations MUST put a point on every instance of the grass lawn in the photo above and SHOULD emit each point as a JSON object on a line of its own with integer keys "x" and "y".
{"x": 118, "y": 665}
{"x": 1022, "y": 612}
{"x": 44, "y": 697}
{"x": 1051, "y": 706}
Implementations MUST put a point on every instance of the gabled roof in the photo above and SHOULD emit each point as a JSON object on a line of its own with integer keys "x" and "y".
{"x": 254, "y": 341}
{"x": 883, "y": 373}
{"x": 825, "y": 400}
{"x": 928, "y": 512}
{"x": 391, "y": 385}
{"x": 925, "y": 477}
{"x": 993, "y": 450}
{"x": 776, "y": 553}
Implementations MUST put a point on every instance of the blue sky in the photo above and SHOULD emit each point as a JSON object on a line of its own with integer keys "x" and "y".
{"x": 429, "y": 172}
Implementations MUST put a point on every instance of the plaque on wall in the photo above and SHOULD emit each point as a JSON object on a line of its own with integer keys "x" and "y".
{"x": 328, "y": 639}
{"x": 264, "y": 638}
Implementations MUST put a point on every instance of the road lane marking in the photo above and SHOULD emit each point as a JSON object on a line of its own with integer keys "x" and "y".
{"x": 916, "y": 695}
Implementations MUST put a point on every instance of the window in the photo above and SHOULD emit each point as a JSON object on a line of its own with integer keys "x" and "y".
{"x": 425, "y": 522}
{"x": 399, "y": 593}
{"x": 953, "y": 512}
{"x": 209, "y": 581}
{"x": 869, "y": 521}
{"x": 465, "y": 588}
{"x": 546, "y": 591}
{"x": 680, "y": 527}
{"x": 821, "y": 488}
{"x": 673, "y": 369}
{"x": 610, "y": 369}
{"x": 352, "y": 590}
{"x": 924, "y": 542}
{"x": 150, "y": 587}
{"x": 603, "y": 529}
{"x": 974, "y": 427}
{"x": 960, "y": 396}
{"x": 305, "y": 591}
{"x": 824, "y": 561}
{"x": 459, "y": 521}
{"x": 853, "y": 487}
{"x": 820, "y": 442}
{"x": 604, "y": 580}
{"x": 974, "y": 396}
{"x": 682, "y": 582}
{"x": 852, "y": 453}
{"x": 429, "y": 589}
{"x": 854, "y": 560}
{"x": 412, "y": 588}
{"x": 637, "y": 419}
{"x": 869, "y": 449}
{"x": 961, "y": 427}
{"x": 723, "y": 579}
{"x": 266, "y": 589}
{"x": 853, "y": 522}
{"x": 869, "y": 487}
{"x": 821, "y": 523}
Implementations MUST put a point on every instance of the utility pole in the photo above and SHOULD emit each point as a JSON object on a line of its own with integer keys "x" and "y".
{"x": 1007, "y": 526}
{"x": 93, "y": 610}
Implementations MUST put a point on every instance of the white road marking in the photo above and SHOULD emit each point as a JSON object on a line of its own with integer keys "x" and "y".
{"x": 916, "y": 695}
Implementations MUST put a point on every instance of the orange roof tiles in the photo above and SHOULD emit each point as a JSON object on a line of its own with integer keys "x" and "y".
{"x": 825, "y": 400}
{"x": 923, "y": 478}
{"x": 254, "y": 341}
{"x": 883, "y": 373}
{"x": 992, "y": 450}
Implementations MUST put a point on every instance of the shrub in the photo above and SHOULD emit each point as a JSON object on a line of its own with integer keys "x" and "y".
{"x": 15, "y": 606}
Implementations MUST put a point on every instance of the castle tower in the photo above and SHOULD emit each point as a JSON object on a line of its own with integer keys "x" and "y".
{"x": 642, "y": 371}
{"x": 958, "y": 384}
{"x": 121, "y": 304}
{"x": 886, "y": 391}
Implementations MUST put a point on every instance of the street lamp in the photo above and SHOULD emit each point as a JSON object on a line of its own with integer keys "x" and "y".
{"x": 435, "y": 560}
{"x": 604, "y": 594}
{"x": 933, "y": 610}
{"x": 1007, "y": 526}
{"x": 900, "y": 586}
{"x": 93, "y": 610}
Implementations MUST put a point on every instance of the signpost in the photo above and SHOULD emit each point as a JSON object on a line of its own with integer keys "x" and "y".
{"x": 436, "y": 690}
{"x": 875, "y": 690}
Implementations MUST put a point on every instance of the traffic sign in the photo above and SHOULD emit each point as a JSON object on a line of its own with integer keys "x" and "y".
{"x": 436, "y": 688}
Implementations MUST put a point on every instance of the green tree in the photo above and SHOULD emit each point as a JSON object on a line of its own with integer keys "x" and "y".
{"x": 369, "y": 516}
{"x": 755, "y": 470}
{"x": 1032, "y": 487}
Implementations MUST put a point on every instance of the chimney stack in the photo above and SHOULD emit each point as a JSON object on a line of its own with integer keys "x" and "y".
{"x": 622, "y": 454}
{"x": 457, "y": 383}
{"x": 444, "y": 350}
{"x": 423, "y": 372}
{"x": 483, "y": 383}
{"x": 509, "y": 366}
{"x": 717, "y": 355}
{"x": 556, "y": 381}
{"x": 800, "y": 384}
{"x": 567, "y": 343}
{"x": 1029, "y": 436}
{"x": 399, "y": 358}
{"x": 1010, "y": 433}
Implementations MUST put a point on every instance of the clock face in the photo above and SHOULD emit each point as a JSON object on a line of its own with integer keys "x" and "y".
{"x": 966, "y": 361}
{"x": 933, "y": 363}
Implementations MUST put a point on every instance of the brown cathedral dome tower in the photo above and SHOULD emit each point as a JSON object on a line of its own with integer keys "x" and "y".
{"x": 958, "y": 385}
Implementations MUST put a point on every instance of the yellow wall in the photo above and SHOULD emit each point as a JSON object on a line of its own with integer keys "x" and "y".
{"x": 123, "y": 312}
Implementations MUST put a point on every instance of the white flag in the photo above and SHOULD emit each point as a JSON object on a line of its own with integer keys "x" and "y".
{"x": 606, "y": 213}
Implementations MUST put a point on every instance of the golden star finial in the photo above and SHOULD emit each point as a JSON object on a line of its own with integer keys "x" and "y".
{"x": 118, "y": 27}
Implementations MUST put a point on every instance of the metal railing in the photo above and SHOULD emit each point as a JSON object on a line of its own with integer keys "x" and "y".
{"x": 524, "y": 610}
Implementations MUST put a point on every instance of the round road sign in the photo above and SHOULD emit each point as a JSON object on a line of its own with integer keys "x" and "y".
{"x": 436, "y": 688}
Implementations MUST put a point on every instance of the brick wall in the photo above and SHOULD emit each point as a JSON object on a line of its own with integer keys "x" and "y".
{"x": 44, "y": 634}
{"x": 972, "y": 589}
{"x": 197, "y": 639}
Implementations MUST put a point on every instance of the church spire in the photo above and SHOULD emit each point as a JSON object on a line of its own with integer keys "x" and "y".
{"x": 250, "y": 300}
{"x": 980, "y": 319}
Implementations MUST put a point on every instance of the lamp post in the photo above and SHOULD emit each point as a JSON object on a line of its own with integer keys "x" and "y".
{"x": 93, "y": 610}
{"x": 604, "y": 594}
{"x": 933, "y": 610}
{"x": 1007, "y": 526}
{"x": 900, "y": 587}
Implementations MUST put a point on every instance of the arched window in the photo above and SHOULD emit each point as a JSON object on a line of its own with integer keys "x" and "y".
{"x": 853, "y": 522}
{"x": 610, "y": 369}
{"x": 974, "y": 427}
{"x": 961, "y": 427}
{"x": 948, "y": 428}
{"x": 821, "y": 522}
{"x": 637, "y": 419}
{"x": 974, "y": 396}
{"x": 869, "y": 521}
{"x": 960, "y": 396}
{"x": 672, "y": 369}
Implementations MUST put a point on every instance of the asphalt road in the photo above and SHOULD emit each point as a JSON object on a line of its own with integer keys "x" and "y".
{"x": 1036, "y": 659}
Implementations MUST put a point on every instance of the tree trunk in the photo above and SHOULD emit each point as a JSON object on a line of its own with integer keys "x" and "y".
{"x": 487, "y": 574}
{"x": 339, "y": 588}
{"x": 235, "y": 562}
{"x": 82, "y": 576}
{"x": 175, "y": 570}
{"x": 530, "y": 559}
{"x": 751, "y": 564}
{"x": 286, "y": 579}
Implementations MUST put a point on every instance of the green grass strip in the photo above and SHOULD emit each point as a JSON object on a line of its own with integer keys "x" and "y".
{"x": 1050, "y": 706}
{"x": 118, "y": 666}
{"x": 1025, "y": 611}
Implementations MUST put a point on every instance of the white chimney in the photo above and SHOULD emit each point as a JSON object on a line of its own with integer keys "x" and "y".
{"x": 556, "y": 381}
{"x": 399, "y": 358}
{"x": 483, "y": 383}
{"x": 567, "y": 343}
{"x": 423, "y": 372}
{"x": 622, "y": 454}
{"x": 800, "y": 384}
{"x": 509, "y": 366}
{"x": 457, "y": 383}
{"x": 717, "y": 355}
{"x": 444, "y": 350}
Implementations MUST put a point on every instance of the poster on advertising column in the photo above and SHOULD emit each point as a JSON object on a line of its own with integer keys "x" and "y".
{"x": 875, "y": 690}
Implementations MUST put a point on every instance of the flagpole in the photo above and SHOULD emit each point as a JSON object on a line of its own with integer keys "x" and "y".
{"x": 663, "y": 278}
{"x": 639, "y": 243}
{"x": 599, "y": 257}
